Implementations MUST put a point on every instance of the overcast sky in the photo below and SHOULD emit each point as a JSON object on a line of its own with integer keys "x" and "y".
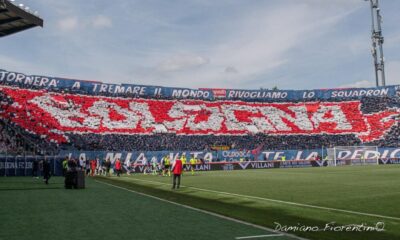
{"x": 291, "y": 44}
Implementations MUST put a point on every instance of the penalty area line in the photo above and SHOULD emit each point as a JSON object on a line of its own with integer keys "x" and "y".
{"x": 207, "y": 212}
{"x": 277, "y": 201}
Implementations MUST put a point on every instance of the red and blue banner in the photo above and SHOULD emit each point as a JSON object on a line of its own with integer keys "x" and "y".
{"x": 146, "y": 91}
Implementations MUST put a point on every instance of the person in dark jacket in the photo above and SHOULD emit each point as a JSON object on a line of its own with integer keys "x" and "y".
{"x": 35, "y": 168}
{"x": 46, "y": 171}
{"x": 71, "y": 174}
{"x": 108, "y": 166}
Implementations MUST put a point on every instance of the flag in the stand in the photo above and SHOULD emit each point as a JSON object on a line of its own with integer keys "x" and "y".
{"x": 256, "y": 151}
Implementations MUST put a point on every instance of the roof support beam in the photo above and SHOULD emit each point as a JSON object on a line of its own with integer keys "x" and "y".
{"x": 14, "y": 30}
{"x": 9, "y": 20}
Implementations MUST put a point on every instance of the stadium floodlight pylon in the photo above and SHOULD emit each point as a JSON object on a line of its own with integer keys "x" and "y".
{"x": 377, "y": 43}
{"x": 352, "y": 155}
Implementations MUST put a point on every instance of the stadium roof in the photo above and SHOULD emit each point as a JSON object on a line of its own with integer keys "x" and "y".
{"x": 15, "y": 18}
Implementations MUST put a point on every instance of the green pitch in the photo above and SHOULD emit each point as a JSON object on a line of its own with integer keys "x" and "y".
{"x": 275, "y": 198}
{"x": 31, "y": 210}
{"x": 112, "y": 208}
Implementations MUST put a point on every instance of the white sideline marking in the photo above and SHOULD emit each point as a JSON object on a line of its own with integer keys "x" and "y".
{"x": 280, "y": 201}
{"x": 207, "y": 212}
{"x": 260, "y": 236}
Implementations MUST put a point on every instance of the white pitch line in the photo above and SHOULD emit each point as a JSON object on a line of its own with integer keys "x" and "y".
{"x": 207, "y": 212}
{"x": 280, "y": 201}
{"x": 260, "y": 236}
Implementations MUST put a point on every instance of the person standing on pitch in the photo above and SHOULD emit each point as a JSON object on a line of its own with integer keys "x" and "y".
{"x": 108, "y": 167}
{"x": 46, "y": 171}
{"x": 193, "y": 163}
{"x": 167, "y": 166}
{"x": 177, "y": 171}
{"x": 64, "y": 166}
{"x": 118, "y": 167}
{"x": 35, "y": 168}
{"x": 154, "y": 167}
{"x": 93, "y": 165}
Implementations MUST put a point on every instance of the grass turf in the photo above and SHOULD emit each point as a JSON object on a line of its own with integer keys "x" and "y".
{"x": 365, "y": 189}
{"x": 29, "y": 209}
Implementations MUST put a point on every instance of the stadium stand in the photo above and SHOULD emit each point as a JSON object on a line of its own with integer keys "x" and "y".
{"x": 51, "y": 119}
{"x": 9, "y": 141}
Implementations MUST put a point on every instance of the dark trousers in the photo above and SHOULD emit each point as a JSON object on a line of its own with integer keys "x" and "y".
{"x": 34, "y": 172}
{"x": 176, "y": 176}
{"x": 46, "y": 177}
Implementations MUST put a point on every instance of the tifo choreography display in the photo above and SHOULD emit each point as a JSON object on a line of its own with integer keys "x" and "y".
{"x": 70, "y": 113}
{"x": 53, "y": 114}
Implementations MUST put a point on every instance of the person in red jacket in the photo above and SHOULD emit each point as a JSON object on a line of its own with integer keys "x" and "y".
{"x": 118, "y": 166}
{"x": 93, "y": 164}
{"x": 177, "y": 171}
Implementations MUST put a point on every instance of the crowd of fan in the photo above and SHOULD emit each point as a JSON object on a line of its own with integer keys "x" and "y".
{"x": 172, "y": 142}
{"x": 10, "y": 141}
{"x": 17, "y": 141}
{"x": 10, "y": 138}
{"x": 377, "y": 104}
